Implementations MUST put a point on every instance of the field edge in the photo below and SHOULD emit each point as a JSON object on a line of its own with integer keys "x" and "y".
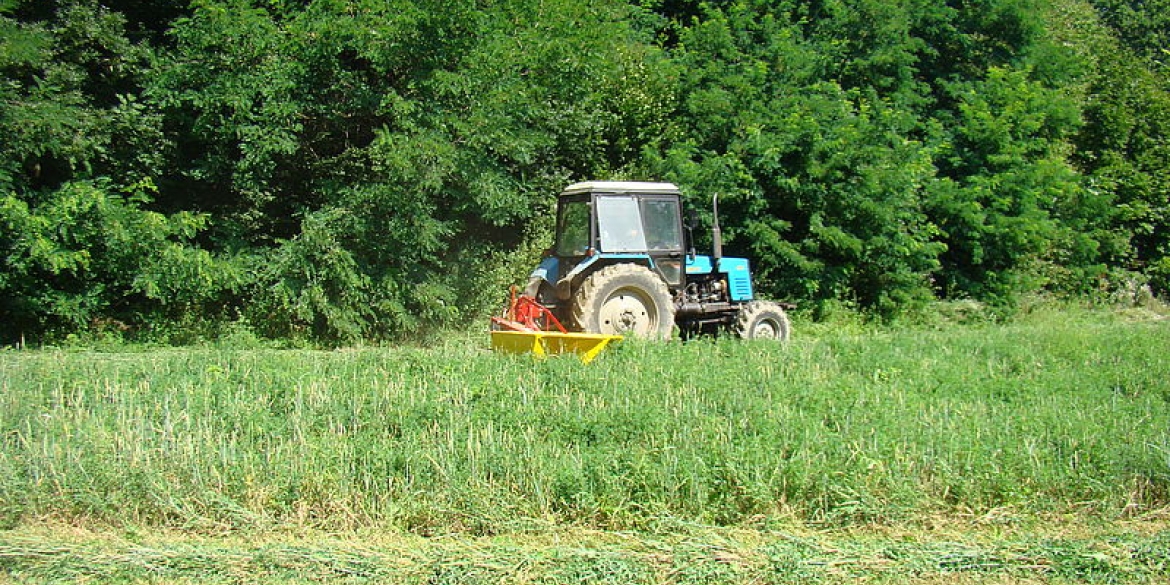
{"x": 952, "y": 551}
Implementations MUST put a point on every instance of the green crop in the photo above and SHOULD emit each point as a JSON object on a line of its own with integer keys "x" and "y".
{"x": 1060, "y": 413}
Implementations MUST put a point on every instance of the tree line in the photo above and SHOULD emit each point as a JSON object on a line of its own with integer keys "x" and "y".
{"x": 335, "y": 170}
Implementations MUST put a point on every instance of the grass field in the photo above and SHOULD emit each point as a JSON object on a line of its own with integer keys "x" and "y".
{"x": 1034, "y": 451}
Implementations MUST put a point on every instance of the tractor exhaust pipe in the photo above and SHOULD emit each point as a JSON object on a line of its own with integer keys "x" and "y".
{"x": 716, "y": 233}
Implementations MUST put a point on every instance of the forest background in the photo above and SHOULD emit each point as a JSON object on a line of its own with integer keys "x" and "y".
{"x": 339, "y": 170}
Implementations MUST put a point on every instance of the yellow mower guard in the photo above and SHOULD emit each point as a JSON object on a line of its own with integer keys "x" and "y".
{"x": 542, "y": 343}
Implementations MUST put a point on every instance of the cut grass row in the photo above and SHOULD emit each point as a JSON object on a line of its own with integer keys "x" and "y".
{"x": 1120, "y": 554}
{"x": 1060, "y": 413}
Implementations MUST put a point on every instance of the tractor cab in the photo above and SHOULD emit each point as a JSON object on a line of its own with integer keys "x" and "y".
{"x": 607, "y": 222}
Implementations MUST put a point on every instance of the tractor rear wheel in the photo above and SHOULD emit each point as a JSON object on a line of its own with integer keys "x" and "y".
{"x": 624, "y": 299}
{"x": 762, "y": 320}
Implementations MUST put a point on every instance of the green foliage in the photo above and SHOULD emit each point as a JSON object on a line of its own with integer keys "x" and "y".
{"x": 1143, "y": 26}
{"x": 410, "y": 141}
{"x": 1003, "y": 183}
{"x": 1122, "y": 149}
{"x": 68, "y": 102}
{"x": 358, "y": 162}
{"x": 861, "y": 164}
{"x": 312, "y": 288}
{"x": 81, "y": 249}
{"x": 87, "y": 256}
{"x": 804, "y": 193}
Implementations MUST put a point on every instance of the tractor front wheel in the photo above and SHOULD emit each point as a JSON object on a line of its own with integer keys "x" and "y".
{"x": 762, "y": 320}
{"x": 624, "y": 299}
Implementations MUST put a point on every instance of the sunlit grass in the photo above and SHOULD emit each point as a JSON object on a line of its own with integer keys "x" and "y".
{"x": 1060, "y": 413}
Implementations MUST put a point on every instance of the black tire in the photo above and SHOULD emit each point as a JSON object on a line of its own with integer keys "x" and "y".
{"x": 762, "y": 320}
{"x": 624, "y": 299}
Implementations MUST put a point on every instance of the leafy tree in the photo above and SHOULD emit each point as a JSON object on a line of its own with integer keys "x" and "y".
{"x": 886, "y": 145}
{"x": 1141, "y": 25}
{"x": 1003, "y": 181}
{"x": 79, "y": 248}
{"x": 69, "y": 104}
{"x": 87, "y": 257}
{"x": 815, "y": 144}
{"x": 1124, "y": 147}
{"x": 412, "y": 135}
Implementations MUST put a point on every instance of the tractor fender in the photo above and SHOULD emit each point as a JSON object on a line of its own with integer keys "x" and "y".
{"x": 545, "y": 272}
{"x": 564, "y": 286}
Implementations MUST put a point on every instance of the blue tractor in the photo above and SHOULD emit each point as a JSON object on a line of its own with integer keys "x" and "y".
{"x": 623, "y": 264}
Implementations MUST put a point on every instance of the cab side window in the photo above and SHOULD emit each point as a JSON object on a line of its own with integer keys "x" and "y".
{"x": 663, "y": 225}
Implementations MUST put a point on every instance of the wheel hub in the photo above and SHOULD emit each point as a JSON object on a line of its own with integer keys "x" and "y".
{"x": 627, "y": 312}
{"x": 765, "y": 329}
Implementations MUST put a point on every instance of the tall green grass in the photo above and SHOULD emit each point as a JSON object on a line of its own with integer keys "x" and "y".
{"x": 1057, "y": 413}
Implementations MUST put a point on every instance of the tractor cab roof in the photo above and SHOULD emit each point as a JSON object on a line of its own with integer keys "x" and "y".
{"x": 621, "y": 187}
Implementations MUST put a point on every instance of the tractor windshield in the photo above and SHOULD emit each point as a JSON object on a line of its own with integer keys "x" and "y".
{"x": 639, "y": 224}
{"x": 619, "y": 222}
{"x": 573, "y": 229}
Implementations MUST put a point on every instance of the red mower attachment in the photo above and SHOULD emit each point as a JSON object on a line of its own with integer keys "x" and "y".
{"x": 525, "y": 313}
{"x": 529, "y": 327}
